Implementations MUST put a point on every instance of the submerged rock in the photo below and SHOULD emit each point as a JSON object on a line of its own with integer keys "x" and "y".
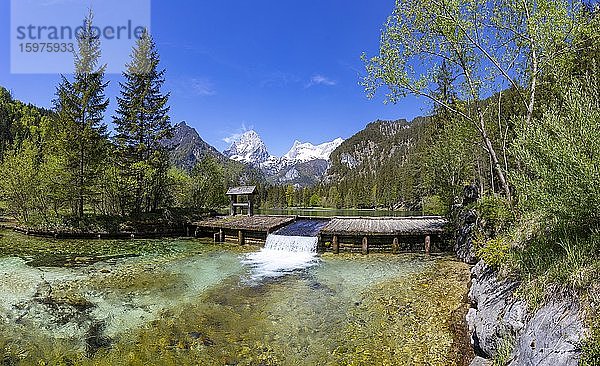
{"x": 95, "y": 339}
{"x": 480, "y": 361}
{"x": 43, "y": 291}
{"x": 500, "y": 323}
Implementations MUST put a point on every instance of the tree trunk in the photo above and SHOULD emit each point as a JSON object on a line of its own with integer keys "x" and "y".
{"x": 81, "y": 169}
{"x": 494, "y": 158}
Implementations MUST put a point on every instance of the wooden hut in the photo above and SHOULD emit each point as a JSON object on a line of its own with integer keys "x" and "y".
{"x": 241, "y": 198}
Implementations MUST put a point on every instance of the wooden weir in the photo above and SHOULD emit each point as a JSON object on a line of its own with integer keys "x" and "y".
{"x": 370, "y": 234}
{"x": 240, "y": 229}
{"x": 340, "y": 234}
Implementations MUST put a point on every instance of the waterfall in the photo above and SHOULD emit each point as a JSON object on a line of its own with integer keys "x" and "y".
{"x": 296, "y": 244}
{"x": 282, "y": 255}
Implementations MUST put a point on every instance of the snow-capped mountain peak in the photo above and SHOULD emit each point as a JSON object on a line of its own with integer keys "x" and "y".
{"x": 304, "y": 164}
{"x": 303, "y": 152}
{"x": 248, "y": 148}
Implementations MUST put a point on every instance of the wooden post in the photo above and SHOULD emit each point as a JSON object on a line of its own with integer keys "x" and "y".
{"x": 241, "y": 237}
{"x": 231, "y": 207}
{"x": 336, "y": 245}
{"x": 395, "y": 246}
{"x": 365, "y": 246}
{"x": 427, "y": 244}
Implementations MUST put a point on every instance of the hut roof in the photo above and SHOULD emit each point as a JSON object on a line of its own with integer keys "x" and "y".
{"x": 385, "y": 226}
{"x": 233, "y": 191}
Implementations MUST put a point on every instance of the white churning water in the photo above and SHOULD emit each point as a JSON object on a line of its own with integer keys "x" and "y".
{"x": 282, "y": 255}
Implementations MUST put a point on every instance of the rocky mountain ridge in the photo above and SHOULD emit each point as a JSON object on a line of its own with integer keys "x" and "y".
{"x": 187, "y": 147}
{"x": 303, "y": 165}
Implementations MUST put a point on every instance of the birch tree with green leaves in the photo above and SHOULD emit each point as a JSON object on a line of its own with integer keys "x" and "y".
{"x": 486, "y": 45}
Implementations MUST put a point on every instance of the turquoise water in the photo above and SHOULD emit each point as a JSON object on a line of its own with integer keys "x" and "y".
{"x": 179, "y": 302}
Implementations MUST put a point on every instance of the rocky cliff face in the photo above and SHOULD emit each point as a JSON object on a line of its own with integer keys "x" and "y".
{"x": 466, "y": 225}
{"x": 464, "y": 247}
{"x": 187, "y": 147}
{"x": 501, "y": 326}
{"x": 249, "y": 148}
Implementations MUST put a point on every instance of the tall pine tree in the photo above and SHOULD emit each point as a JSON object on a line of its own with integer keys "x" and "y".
{"x": 142, "y": 122}
{"x": 80, "y": 106}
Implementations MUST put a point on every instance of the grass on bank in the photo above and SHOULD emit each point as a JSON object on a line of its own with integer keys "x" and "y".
{"x": 551, "y": 260}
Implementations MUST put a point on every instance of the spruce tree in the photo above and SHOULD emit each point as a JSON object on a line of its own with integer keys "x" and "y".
{"x": 80, "y": 106}
{"x": 5, "y": 122}
{"x": 142, "y": 122}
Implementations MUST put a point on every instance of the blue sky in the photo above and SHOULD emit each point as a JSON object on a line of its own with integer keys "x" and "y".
{"x": 288, "y": 69}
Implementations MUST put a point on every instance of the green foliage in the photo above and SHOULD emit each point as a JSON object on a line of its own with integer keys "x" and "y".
{"x": 289, "y": 195}
{"x": 180, "y": 184}
{"x": 334, "y": 199}
{"x": 591, "y": 347}
{"x": 19, "y": 183}
{"x": 496, "y": 215}
{"x": 314, "y": 200}
{"x": 495, "y": 252}
{"x": 208, "y": 184}
{"x": 493, "y": 235}
{"x": 504, "y": 354}
{"x": 434, "y": 205}
{"x": 81, "y": 135}
{"x": 5, "y": 121}
{"x": 142, "y": 123}
{"x": 561, "y": 156}
{"x": 557, "y": 261}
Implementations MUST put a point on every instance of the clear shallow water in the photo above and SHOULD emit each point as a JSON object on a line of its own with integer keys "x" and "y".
{"x": 179, "y": 302}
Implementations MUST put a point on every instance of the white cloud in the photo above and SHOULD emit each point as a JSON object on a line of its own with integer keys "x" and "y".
{"x": 232, "y": 138}
{"x": 319, "y": 79}
{"x": 235, "y": 136}
{"x": 202, "y": 87}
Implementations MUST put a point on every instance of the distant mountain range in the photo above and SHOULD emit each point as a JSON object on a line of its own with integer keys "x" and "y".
{"x": 380, "y": 144}
{"x": 305, "y": 163}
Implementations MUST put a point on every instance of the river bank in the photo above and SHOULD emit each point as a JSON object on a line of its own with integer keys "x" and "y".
{"x": 507, "y": 326}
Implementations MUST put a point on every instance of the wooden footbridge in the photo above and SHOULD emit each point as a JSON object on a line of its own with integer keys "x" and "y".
{"x": 240, "y": 229}
{"x": 382, "y": 234}
{"x": 337, "y": 234}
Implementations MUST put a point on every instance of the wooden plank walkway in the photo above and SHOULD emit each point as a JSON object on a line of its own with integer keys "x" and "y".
{"x": 247, "y": 223}
{"x": 395, "y": 226}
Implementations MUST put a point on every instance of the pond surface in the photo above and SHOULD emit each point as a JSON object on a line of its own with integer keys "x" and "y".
{"x": 191, "y": 302}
